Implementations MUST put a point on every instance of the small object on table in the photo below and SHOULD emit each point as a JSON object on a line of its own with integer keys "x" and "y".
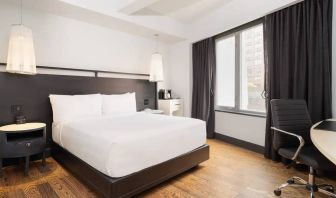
{"x": 20, "y": 119}
{"x": 326, "y": 125}
{"x": 22, "y": 140}
{"x": 165, "y": 94}
{"x": 153, "y": 111}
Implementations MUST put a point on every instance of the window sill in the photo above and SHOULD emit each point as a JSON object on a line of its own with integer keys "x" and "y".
{"x": 245, "y": 113}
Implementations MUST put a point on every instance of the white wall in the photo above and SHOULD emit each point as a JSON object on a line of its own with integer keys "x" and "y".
{"x": 235, "y": 13}
{"x": 65, "y": 42}
{"x": 180, "y": 73}
{"x": 242, "y": 127}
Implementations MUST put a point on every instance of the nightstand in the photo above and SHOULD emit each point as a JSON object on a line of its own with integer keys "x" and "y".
{"x": 22, "y": 140}
{"x": 171, "y": 107}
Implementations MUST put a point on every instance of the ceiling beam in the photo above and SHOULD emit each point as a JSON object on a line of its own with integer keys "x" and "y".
{"x": 133, "y": 6}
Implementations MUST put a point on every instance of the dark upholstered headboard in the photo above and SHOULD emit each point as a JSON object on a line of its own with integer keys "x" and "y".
{"x": 32, "y": 93}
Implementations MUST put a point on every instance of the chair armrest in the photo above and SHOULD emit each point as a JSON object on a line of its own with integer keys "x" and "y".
{"x": 302, "y": 142}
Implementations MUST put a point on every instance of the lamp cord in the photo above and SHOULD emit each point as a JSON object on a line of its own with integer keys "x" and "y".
{"x": 20, "y": 12}
{"x": 156, "y": 43}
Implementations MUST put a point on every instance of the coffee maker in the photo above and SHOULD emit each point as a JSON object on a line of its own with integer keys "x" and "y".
{"x": 165, "y": 94}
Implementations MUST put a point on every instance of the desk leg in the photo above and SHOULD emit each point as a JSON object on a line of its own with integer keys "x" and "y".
{"x": 0, "y": 167}
{"x": 26, "y": 166}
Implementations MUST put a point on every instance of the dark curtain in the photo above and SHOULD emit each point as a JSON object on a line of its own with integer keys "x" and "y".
{"x": 204, "y": 68}
{"x": 298, "y": 59}
{"x": 298, "y": 43}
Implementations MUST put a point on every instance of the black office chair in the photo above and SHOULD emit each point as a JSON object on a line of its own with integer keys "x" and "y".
{"x": 291, "y": 126}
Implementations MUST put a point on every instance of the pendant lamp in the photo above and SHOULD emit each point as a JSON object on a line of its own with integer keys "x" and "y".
{"x": 21, "y": 53}
{"x": 156, "y": 66}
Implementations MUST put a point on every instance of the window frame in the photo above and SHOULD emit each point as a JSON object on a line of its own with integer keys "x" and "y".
{"x": 236, "y": 32}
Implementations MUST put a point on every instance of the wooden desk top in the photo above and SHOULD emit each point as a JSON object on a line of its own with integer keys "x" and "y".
{"x": 22, "y": 127}
{"x": 325, "y": 141}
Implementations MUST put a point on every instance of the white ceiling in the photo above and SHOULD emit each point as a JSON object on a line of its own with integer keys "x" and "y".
{"x": 105, "y": 13}
{"x": 185, "y": 11}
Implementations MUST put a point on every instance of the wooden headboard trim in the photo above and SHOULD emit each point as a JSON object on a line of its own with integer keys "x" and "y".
{"x": 95, "y": 72}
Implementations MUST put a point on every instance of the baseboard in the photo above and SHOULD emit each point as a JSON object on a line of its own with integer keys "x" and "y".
{"x": 241, "y": 143}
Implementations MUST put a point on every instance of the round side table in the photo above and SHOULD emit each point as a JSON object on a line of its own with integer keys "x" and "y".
{"x": 22, "y": 140}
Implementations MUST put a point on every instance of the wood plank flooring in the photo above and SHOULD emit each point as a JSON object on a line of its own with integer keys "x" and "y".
{"x": 231, "y": 172}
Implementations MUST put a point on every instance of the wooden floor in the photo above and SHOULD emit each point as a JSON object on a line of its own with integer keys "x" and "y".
{"x": 231, "y": 172}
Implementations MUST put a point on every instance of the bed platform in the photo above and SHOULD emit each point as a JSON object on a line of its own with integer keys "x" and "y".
{"x": 132, "y": 184}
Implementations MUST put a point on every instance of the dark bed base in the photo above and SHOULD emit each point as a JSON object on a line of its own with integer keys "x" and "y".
{"x": 132, "y": 184}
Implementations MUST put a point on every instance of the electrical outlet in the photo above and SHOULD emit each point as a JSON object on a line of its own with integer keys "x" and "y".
{"x": 16, "y": 109}
{"x": 146, "y": 102}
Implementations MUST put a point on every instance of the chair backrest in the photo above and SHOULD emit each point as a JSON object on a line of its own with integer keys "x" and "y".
{"x": 292, "y": 116}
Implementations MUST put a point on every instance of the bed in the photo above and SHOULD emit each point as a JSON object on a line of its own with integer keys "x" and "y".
{"x": 108, "y": 134}
{"x": 118, "y": 146}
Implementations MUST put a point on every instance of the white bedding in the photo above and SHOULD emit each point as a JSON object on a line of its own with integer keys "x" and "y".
{"x": 120, "y": 145}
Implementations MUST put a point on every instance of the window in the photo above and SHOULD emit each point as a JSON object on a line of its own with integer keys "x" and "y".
{"x": 225, "y": 52}
{"x": 240, "y": 71}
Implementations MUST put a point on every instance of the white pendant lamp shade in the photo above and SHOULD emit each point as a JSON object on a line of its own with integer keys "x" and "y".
{"x": 156, "y": 70}
{"x": 21, "y": 54}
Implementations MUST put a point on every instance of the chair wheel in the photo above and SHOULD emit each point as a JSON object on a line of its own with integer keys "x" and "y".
{"x": 277, "y": 192}
{"x": 290, "y": 181}
{"x": 330, "y": 189}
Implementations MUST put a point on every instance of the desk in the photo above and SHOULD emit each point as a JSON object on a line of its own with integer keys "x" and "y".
{"x": 325, "y": 142}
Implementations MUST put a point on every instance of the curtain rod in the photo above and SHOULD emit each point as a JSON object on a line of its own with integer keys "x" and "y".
{"x": 86, "y": 70}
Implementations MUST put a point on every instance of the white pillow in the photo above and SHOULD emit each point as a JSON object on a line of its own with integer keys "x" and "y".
{"x": 67, "y": 107}
{"x": 119, "y": 104}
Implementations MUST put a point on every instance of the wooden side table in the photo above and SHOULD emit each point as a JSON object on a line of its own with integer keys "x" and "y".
{"x": 22, "y": 140}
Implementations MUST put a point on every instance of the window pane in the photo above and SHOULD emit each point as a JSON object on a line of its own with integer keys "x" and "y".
{"x": 252, "y": 69}
{"x": 225, "y": 79}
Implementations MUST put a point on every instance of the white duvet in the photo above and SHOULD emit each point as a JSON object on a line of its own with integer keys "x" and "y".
{"x": 121, "y": 145}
